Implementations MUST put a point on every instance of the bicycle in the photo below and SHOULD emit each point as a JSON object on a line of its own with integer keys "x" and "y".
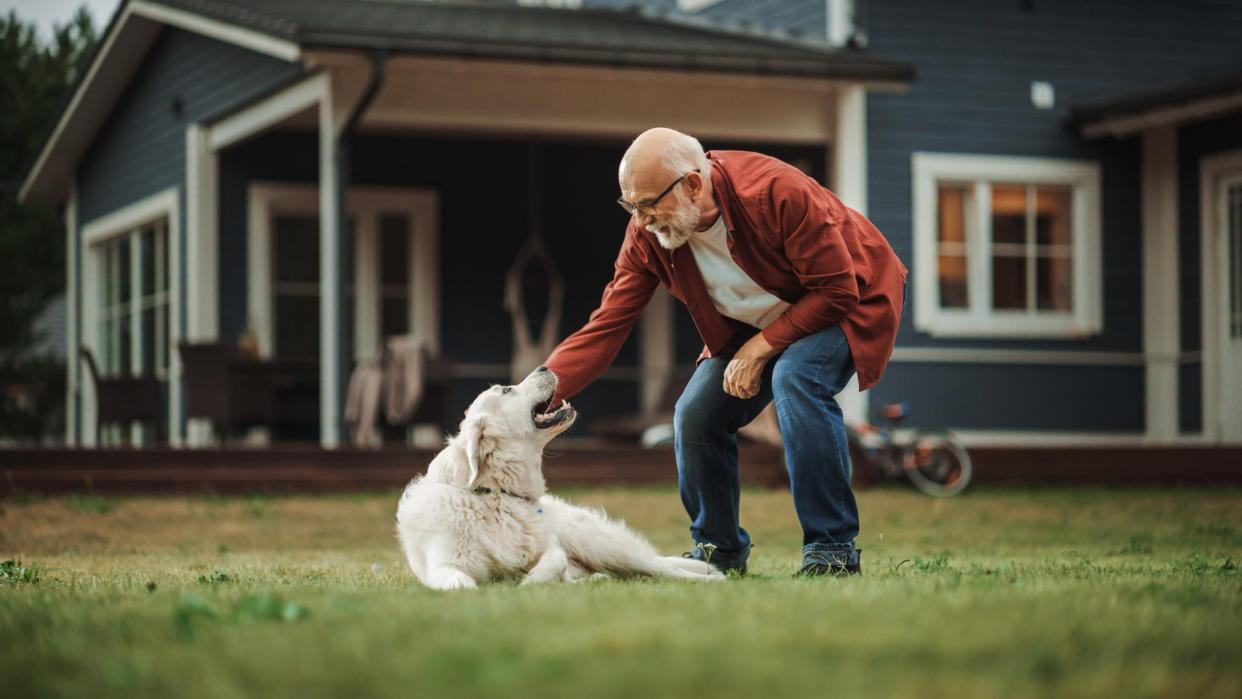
{"x": 934, "y": 461}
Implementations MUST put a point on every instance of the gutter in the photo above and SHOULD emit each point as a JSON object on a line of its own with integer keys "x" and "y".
{"x": 379, "y": 61}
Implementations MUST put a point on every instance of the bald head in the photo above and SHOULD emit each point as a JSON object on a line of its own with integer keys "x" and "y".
{"x": 653, "y": 166}
{"x": 661, "y": 153}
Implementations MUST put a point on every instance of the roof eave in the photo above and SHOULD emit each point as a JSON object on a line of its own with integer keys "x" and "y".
{"x": 129, "y": 36}
{"x": 856, "y": 68}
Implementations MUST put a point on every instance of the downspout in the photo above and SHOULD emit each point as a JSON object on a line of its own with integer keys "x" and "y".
{"x": 379, "y": 62}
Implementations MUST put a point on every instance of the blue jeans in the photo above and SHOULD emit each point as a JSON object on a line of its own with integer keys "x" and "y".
{"x": 803, "y": 381}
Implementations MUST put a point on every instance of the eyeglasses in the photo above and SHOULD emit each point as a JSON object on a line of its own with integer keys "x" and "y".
{"x": 649, "y": 207}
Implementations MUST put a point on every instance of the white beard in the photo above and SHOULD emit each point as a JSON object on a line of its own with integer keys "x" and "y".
{"x": 679, "y": 228}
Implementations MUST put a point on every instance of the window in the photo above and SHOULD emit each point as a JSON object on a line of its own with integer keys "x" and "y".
{"x": 390, "y": 269}
{"x": 133, "y": 303}
{"x": 1006, "y": 246}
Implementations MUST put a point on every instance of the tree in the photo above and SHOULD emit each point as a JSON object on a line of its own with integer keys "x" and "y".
{"x": 35, "y": 81}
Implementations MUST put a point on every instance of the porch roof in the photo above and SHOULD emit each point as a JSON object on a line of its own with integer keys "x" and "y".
{"x": 471, "y": 29}
{"x": 629, "y": 37}
{"x": 1199, "y": 97}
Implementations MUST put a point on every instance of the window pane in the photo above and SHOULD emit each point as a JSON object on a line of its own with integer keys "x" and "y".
{"x": 395, "y": 317}
{"x": 394, "y": 249}
{"x": 149, "y": 339}
{"x": 123, "y": 286}
{"x": 1052, "y": 215}
{"x": 162, "y": 336}
{"x": 296, "y": 243}
{"x": 953, "y": 289}
{"x": 124, "y": 346}
{"x": 1053, "y": 285}
{"x": 952, "y": 214}
{"x": 1008, "y": 282}
{"x": 297, "y": 327}
{"x": 1008, "y": 213}
{"x": 147, "y": 243}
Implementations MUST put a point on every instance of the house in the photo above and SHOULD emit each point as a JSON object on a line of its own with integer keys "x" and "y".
{"x": 1058, "y": 177}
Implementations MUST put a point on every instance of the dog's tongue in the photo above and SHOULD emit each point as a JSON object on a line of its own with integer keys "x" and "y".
{"x": 551, "y": 418}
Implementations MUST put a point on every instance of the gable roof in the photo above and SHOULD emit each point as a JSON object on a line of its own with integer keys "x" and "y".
{"x": 464, "y": 28}
{"x": 1201, "y": 97}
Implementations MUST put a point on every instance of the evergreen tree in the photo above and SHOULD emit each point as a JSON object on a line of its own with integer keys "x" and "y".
{"x": 35, "y": 81}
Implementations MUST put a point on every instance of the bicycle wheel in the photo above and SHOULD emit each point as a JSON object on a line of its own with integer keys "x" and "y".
{"x": 937, "y": 463}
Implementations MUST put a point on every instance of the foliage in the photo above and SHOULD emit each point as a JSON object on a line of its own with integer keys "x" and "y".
{"x": 90, "y": 503}
{"x": 1066, "y": 593}
{"x": 35, "y": 80}
{"x": 12, "y": 571}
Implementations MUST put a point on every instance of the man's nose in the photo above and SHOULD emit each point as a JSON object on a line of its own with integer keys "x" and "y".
{"x": 644, "y": 219}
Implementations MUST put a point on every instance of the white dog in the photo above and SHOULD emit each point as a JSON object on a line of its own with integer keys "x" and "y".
{"x": 482, "y": 514}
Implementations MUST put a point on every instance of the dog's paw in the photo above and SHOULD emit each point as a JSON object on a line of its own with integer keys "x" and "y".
{"x": 450, "y": 579}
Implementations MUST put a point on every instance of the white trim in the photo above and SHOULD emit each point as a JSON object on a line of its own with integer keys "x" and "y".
{"x": 125, "y": 219}
{"x": 946, "y": 355}
{"x": 262, "y": 115}
{"x": 1130, "y": 124}
{"x": 840, "y": 21}
{"x": 1086, "y": 317}
{"x": 1161, "y": 329}
{"x": 329, "y": 279}
{"x": 221, "y": 31}
{"x": 695, "y": 5}
{"x": 368, "y": 295}
{"x": 73, "y": 297}
{"x": 849, "y": 183}
{"x": 1211, "y": 169}
{"x": 162, "y": 205}
{"x": 203, "y": 239}
{"x": 425, "y": 268}
{"x": 1069, "y": 440}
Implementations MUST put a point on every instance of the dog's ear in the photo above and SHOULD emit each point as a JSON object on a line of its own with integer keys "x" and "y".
{"x": 474, "y": 442}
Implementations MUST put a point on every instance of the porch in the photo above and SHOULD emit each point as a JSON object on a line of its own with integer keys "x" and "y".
{"x": 569, "y": 463}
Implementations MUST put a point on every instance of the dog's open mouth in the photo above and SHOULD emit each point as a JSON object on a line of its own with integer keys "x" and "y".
{"x": 544, "y": 420}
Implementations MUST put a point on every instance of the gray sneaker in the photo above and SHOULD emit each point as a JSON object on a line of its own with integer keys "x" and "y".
{"x": 724, "y": 562}
{"x": 816, "y": 564}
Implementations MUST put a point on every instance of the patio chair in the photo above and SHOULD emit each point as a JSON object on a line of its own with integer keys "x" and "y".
{"x": 126, "y": 398}
{"x": 233, "y": 394}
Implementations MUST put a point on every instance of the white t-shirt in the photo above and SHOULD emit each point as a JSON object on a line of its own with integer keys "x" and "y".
{"x": 733, "y": 292}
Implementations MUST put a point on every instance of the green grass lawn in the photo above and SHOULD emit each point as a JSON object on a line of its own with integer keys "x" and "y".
{"x": 1027, "y": 593}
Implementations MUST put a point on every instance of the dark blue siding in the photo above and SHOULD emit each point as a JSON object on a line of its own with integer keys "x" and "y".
{"x": 975, "y": 61}
{"x": 1015, "y": 396}
{"x": 141, "y": 148}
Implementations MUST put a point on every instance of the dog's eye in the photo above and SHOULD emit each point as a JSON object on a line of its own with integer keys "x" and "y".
{"x": 506, "y": 389}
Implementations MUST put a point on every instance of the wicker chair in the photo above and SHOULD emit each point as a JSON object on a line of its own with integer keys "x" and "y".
{"x": 233, "y": 395}
{"x": 126, "y": 398}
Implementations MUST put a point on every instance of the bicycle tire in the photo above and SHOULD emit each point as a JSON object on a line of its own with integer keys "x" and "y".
{"x": 937, "y": 463}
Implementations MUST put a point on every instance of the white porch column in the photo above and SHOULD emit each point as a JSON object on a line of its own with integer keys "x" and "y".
{"x": 1161, "y": 329}
{"x": 329, "y": 278}
{"x": 849, "y": 182}
{"x": 655, "y": 351}
{"x": 73, "y": 299}
{"x": 202, "y": 274}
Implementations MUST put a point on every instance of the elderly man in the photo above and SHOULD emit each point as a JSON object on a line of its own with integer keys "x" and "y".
{"x": 791, "y": 291}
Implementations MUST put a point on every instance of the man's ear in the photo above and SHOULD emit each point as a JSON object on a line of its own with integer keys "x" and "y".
{"x": 472, "y": 441}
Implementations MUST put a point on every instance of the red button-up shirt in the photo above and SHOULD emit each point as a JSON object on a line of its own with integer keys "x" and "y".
{"x": 793, "y": 237}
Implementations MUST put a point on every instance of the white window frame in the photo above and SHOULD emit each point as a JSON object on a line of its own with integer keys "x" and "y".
{"x": 164, "y": 206}
{"x": 365, "y": 205}
{"x": 979, "y": 319}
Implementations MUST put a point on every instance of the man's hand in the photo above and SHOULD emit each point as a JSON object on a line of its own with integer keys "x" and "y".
{"x": 743, "y": 376}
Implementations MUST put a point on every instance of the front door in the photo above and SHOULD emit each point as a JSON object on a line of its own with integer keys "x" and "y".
{"x": 1228, "y": 256}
